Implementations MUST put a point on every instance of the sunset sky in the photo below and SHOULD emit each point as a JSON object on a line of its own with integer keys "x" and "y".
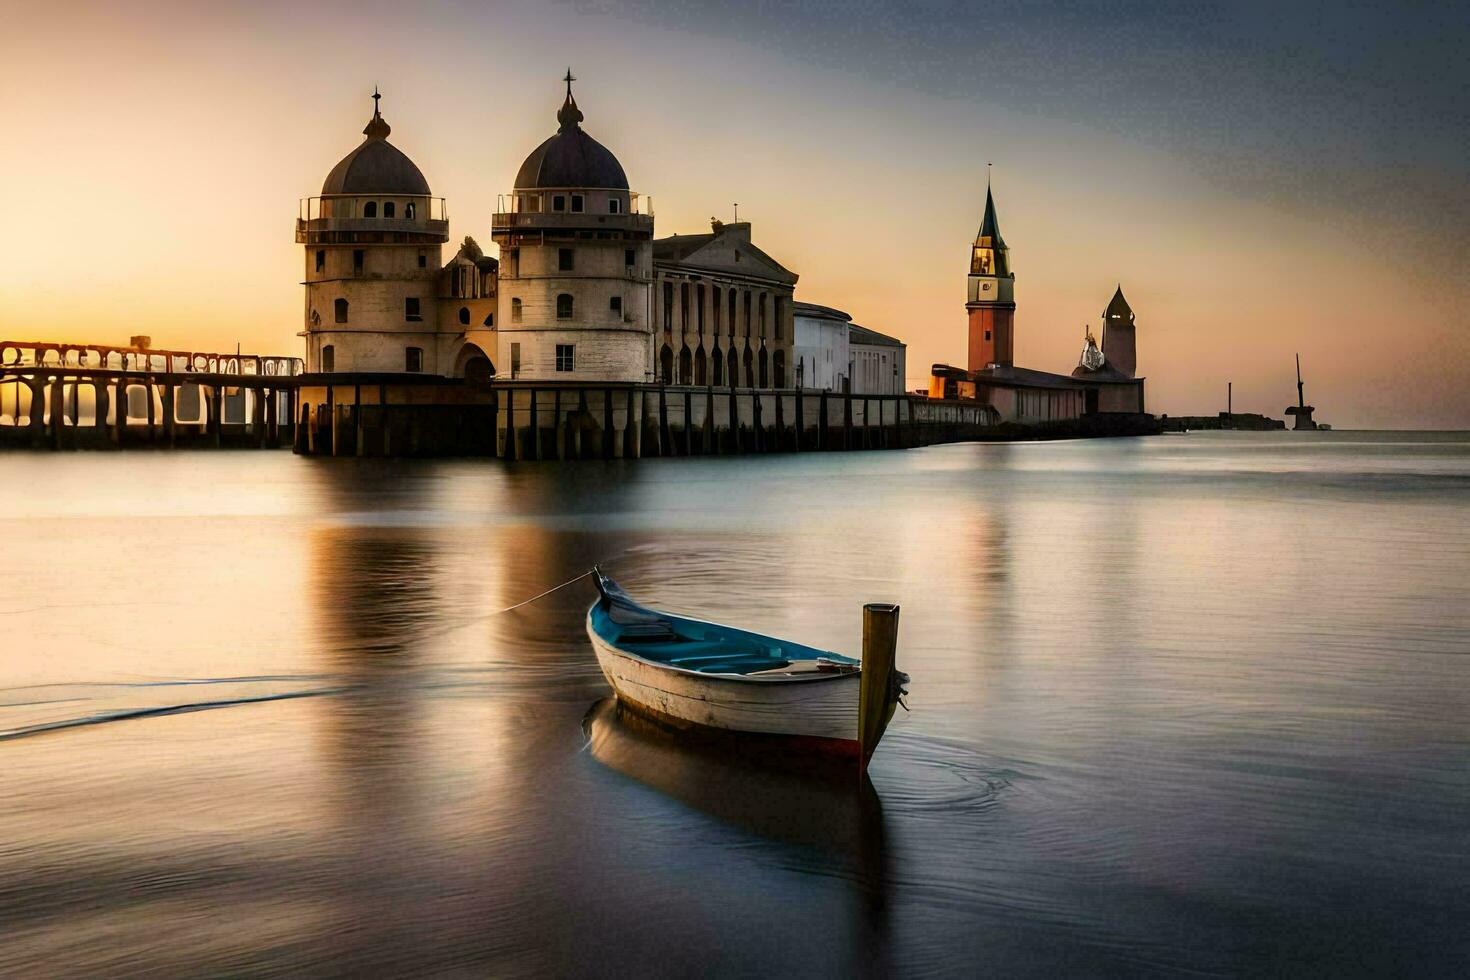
{"x": 1262, "y": 179}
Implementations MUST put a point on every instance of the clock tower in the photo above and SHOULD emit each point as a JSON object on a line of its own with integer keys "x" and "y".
{"x": 992, "y": 302}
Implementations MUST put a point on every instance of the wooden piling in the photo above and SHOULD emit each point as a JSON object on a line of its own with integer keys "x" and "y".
{"x": 664, "y": 443}
{"x": 780, "y": 422}
{"x": 847, "y": 419}
{"x": 510, "y": 425}
{"x": 878, "y": 691}
{"x": 800, "y": 421}
{"x": 534, "y": 448}
{"x": 824, "y": 429}
{"x": 688, "y": 422}
{"x": 711, "y": 447}
{"x": 630, "y": 427}
{"x": 607, "y": 423}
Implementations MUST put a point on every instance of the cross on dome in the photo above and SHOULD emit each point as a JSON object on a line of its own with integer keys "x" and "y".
{"x": 568, "y": 116}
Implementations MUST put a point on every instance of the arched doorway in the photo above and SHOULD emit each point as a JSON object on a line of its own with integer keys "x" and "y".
{"x": 473, "y": 364}
{"x": 666, "y": 365}
{"x": 732, "y": 366}
{"x": 749, "y": 368}
{"x": 719, "y": 365}
{"x": 699, "y": 366}
{"x": 686, "y": 365}
{"x": 765, "y": 377}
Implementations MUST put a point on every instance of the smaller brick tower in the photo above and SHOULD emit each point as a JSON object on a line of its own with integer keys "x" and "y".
{"x": 992, "y": 302}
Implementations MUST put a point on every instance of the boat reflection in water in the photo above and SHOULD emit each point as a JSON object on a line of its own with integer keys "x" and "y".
{"x": 804, "y": 799}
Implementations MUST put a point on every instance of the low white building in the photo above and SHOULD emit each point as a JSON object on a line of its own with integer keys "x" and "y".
{"x": 820, "y": 349}
{"x": 876, "y": 362}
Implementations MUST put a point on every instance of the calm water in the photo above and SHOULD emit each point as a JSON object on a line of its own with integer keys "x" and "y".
{"x": 1183, "y": 704}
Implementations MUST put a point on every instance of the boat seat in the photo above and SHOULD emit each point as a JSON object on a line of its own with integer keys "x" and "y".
{"x": 744, "y": 665}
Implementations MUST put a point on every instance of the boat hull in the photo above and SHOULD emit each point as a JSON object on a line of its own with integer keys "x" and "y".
{"x": 821, "y": 709}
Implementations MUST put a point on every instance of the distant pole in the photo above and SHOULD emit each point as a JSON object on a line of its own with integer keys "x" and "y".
{"x": 1301, "y": 400}
{"x": 1229, "y": 398}
{"x": 737, "y": 212}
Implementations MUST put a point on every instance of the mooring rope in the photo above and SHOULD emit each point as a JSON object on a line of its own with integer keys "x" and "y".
{"x": 501, "y": 612}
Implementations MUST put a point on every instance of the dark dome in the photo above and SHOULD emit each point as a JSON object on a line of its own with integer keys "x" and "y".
{"x": 571, "y": 158}
{"x": 376, "y": 167}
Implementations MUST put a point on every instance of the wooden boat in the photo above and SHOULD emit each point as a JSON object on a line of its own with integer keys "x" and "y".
{"x": 693, "y": 674}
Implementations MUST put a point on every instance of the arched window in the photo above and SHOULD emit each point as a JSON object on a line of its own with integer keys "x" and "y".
{"x": 387, "y": 209}
{"x": 564, "y": 306}
{"x": 515, "y": 311}
{"x": 370, "y": 209}
{"x": 328, "y": 359}
{"x": 340, "y": 307}
{"x": 779, "y": 362}
{"x": 409, "y": 211}
{"x": 666, "y": 365}
{"x": 464, "y": 315}
{"x": 700, "y": 376}
{"x": 732, "y": 366}
{"x": 764, "y": 377}
{"x": 718, "y": 368}
{"x": 686, "y": 365}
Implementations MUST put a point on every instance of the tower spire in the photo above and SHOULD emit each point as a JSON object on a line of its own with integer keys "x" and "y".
{"x": 990, "y": 225}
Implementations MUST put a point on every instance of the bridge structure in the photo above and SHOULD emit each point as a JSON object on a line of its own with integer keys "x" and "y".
{"x": 97, "y": 396}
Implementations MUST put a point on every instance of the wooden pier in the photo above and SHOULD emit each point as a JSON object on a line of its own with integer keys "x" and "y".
{"x": 522, "y": 420}
{"x": 63, "y": 396}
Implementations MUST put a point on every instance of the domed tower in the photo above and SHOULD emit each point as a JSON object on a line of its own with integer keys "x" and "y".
{"x": 576, "y": 264}
{"x": 1118, "y": 339}
{"x": 992, "y": 302}
{"x": 373, "y": 256}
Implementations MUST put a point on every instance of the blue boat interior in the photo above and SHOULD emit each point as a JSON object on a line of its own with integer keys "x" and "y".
{"x": 691, "y": 644}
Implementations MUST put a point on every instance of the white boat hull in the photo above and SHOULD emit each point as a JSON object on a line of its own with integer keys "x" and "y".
{"x": 819, "y": 707}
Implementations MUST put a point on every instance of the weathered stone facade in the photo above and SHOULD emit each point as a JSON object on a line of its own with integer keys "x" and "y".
{"x": 722, "y": 304}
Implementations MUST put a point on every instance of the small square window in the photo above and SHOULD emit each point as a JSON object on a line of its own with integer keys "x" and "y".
{"x": 576, "y": 202}
{"x": 411, "y": 310}
{"x": 565, "y": 357}
{"x": 558, "y": 202}
{"x": 615, "y": 304}
{"x": 565, "y": 259}
{"x": 413, "y": 359}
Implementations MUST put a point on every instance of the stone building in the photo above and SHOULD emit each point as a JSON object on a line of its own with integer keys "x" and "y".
{"x": 373, "y": 249}
{"x": 820, "y": 346}
{"x": 467, "y": 311}
{"x": 876, "y": 362}
{"x": 575, "y": 264}
{"x": 723, "y": 310}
